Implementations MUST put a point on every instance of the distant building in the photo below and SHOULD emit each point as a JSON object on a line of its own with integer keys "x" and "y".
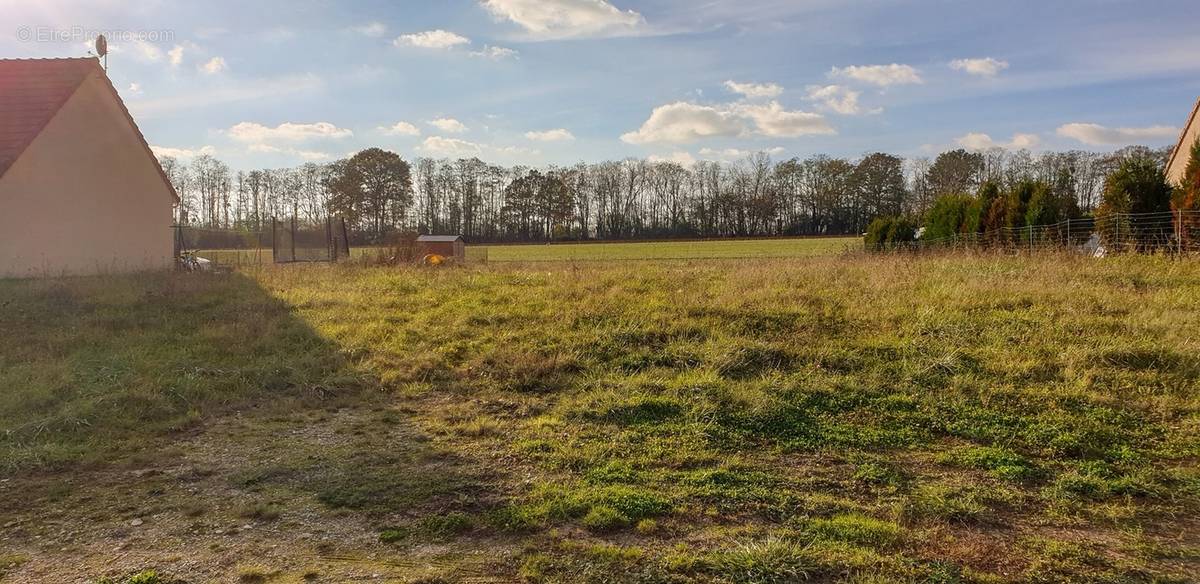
{"x": 451, "y": 247}
{"x": 1183, "y": 150}
{"x": 80, "y": 190}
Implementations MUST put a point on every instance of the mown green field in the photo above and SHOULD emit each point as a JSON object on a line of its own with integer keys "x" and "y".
{"x": 833, "y": 419}
{"x": 653, "y": 250}
{"x": 663, "y": 250}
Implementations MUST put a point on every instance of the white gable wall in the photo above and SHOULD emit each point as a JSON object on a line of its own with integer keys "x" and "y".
{"x": 85, "y": 197}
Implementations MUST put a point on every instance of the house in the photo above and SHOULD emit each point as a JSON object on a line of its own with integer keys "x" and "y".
{"x": 1183, "y": 149}
{"x": 80, "y": 190}
{"x": 450, "y": 247}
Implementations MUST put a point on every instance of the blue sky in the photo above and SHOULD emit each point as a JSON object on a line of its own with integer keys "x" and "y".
{"x": 269, "y": 83}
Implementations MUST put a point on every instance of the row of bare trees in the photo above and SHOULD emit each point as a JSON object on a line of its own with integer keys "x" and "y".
{"x": 379, "y": 192}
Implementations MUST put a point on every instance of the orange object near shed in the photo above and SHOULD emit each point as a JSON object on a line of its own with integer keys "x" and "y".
{"x": 451, "y": 247}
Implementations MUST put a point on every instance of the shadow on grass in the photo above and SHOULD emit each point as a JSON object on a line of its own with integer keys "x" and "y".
{"x": 107, "y": 369}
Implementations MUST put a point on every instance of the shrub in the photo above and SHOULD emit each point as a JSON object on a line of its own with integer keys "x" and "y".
{"x": 947, "y": 217}
{"x": 1137, "y": 186}
{"x": 1187, "y": 197}
{"x": 889, "y": 232}
{"x": 1043, "y": 207}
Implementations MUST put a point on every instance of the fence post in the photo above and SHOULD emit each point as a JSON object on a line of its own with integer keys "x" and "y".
{"x": 330, "y": 245}
{"x": 1117, "y": 239}
{"x": 345, "y": 237}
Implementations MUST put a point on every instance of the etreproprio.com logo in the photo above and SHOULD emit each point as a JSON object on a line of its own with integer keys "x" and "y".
{"x": 51, "y": 34}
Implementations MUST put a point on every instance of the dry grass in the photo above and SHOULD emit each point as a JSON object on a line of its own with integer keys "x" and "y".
{"x": 850, "y": 418}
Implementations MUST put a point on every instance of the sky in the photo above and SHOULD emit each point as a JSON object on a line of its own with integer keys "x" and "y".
{"x": 271, "y": 83}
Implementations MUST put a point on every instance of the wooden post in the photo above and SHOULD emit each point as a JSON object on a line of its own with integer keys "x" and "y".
{"x": 346, "y": 237}
{"x": 330, "y": 244}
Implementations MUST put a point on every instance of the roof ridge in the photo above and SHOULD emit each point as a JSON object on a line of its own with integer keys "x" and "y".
{"x": 138, "y": 132}
{"x": 1179, "y": 145}
{"x": 93, "y": 57}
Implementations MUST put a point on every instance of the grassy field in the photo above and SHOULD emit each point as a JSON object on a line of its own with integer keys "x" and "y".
{"x": 663, "y": 250}
{"x": 654, "y": 250}
{"x": 834, "y": 419}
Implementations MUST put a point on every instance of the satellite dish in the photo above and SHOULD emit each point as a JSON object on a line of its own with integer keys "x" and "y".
{"x": 101, "y": 46}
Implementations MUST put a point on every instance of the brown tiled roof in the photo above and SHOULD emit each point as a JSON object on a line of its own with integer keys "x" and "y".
{"x": 31, "y": 93}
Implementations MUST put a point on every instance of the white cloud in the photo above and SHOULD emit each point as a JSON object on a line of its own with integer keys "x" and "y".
{"x": 558, "y": 19}
{"x": 683, "y": 122}
{"x": 286, "y": 132}
{"x": 432, "y": 39}
{"x": 1097, "y": 135}
{"x": 213, "y": 66}
{"x": 556, "y": 135}
{"x": 978, "y": 141}
{"x": 175, "y": 55}
{"x": 401, "y": 129}
{"x": 772, "y": 120}
{"x": 161, "y": 151}
{"x": 839, "y": 99}
{"x": 448, "y": 125}
{"x": 986, "y": 67}
{"x": 147, "y": 52}
{"x": 881, "y": 75}
{"x": 135, "y": 89}
{"x": 753, "y": 90}
{"x": 495, "y": 53}
{"x": 736, "y": 154}
{"x": 449, "y": 147}
{"x": 681, "y": 158}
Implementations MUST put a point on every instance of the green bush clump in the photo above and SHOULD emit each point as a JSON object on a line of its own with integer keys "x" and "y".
{"x": 889, "y": 233}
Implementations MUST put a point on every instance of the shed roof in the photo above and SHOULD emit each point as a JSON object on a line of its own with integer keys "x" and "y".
{"x": 32, "y": 91}
{"x": 436, "y": 238}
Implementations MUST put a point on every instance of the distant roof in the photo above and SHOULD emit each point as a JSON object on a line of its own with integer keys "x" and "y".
{"x": 439, "y": 237}
{"x": 32, "y": 91}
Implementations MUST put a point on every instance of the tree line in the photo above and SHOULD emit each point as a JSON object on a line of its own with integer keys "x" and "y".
{"x": 379, "y": 193}
{"x": 1135, "y": 199}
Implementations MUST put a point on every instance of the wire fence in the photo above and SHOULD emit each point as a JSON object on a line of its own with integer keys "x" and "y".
{"x": 1176, "y": 232}
{"x": 288, "y": 241}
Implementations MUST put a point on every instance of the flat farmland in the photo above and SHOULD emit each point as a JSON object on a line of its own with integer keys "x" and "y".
{"x": 673, "y": 250}
{"x": 832, "y": 418}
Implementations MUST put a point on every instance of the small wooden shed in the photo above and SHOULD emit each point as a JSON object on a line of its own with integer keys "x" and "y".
{"x": 451, "y": 247}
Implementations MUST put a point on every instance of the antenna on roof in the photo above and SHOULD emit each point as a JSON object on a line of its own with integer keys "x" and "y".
{"x": 102, "y": 49}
